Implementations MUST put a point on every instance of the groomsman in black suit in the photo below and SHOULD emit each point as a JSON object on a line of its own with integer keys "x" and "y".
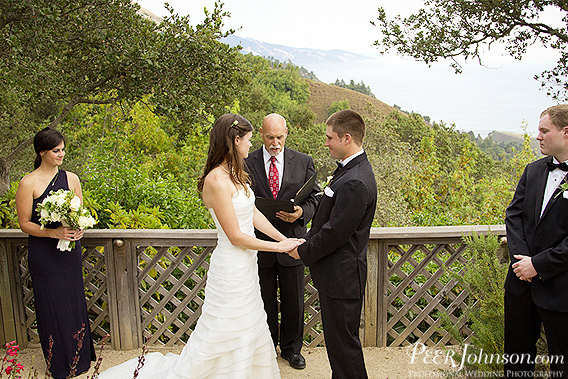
{"x": 536, "y": 288}
{"x": 336, "y": 246}
{"x": 278, "y": 173}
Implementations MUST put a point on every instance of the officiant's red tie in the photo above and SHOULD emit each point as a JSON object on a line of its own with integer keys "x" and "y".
{"x": 273, "y": 177}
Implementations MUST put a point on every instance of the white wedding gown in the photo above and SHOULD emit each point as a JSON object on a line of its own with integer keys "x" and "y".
{"x": 231, "y": 338}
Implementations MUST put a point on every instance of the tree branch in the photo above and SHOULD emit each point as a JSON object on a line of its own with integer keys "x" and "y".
{"x": 101, "y": 102}
{"x": 17, "y": 151}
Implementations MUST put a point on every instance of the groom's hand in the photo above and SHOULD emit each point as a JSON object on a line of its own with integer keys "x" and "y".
{"x": 291, "y": 217}
{"x": 294, "y": 253}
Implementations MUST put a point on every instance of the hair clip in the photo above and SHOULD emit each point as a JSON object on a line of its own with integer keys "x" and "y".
{"x": 235, "y": 124}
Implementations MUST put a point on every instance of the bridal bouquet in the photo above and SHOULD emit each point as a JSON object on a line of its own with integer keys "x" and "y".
{"x": 65, "y": 207}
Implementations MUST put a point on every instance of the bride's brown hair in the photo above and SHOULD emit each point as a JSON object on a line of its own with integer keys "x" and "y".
{"x": 222, "y": 148}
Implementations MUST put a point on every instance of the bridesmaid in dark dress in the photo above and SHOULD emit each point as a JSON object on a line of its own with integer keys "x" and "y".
{"x": 57, "y": 278}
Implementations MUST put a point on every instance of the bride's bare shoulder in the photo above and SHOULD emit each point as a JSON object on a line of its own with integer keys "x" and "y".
{"x": 216, "y": 184}
{"x": 217, "y": 178}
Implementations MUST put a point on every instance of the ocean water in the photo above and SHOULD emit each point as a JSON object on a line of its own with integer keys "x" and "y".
{"x": 502, "y": 98}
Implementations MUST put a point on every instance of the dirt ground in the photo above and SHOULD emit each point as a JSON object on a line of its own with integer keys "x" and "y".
{"x": 381, "y": 363}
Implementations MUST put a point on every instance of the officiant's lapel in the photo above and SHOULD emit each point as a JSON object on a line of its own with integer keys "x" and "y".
{"x": 288, "y": 169}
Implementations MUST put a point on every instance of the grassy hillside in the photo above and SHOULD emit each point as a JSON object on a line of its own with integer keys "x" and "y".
{"x": 323, "y": 95}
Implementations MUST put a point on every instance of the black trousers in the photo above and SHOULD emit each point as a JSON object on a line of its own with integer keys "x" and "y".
{"x": 290, "y": 281}
{"x": 523, "y": 321}
{"x": 340, "y": 319}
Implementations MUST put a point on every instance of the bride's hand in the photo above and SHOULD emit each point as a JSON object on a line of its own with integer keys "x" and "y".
{"x": 289, "y": 244}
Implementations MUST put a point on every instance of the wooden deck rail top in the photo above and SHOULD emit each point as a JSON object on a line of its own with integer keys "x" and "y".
{"x": 396, "y": 233}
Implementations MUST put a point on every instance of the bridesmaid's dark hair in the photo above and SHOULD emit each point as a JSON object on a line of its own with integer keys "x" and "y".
{"x": 46, "y": 139}
{"x": 222, "y": 148}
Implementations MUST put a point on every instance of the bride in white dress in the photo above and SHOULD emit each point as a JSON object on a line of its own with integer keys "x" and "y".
{"x": 231, "y": 338}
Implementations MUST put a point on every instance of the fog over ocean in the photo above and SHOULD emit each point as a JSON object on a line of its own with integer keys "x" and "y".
{"x": 502, "y": 96}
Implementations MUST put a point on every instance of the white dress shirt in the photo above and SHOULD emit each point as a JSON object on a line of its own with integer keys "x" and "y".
{"x": 350, "y": 158}
{"x": 554, "y": 179}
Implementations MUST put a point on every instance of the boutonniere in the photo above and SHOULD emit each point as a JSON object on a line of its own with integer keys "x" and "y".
{"x": 325, "y": 185}
{"x": 563, "y": 188}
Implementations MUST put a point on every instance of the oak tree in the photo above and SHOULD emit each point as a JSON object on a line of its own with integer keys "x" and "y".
{"x": 56, "y": 54}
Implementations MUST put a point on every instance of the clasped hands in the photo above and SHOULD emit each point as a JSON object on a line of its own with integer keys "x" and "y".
{"x": 290, "y": 246}
{"x": 524, "y": 268}
{"x": 67, "y": 233}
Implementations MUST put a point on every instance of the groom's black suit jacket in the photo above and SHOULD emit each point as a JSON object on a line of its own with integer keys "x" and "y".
{"x": 545, "y": 239}
{"x": 298, "y": 168}
{"x": 336, "y": 246}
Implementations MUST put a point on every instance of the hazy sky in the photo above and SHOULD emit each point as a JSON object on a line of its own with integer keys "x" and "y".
{"x": 318, "y": 24}
{"x": 500, "y": 97}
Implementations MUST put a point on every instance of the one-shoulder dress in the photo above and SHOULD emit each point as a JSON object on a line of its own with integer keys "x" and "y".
{"x": 231, "y": 338}
{"x": 59, "y": 297}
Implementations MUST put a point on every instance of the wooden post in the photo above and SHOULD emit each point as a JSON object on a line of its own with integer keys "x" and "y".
{"x": 123, "y": 291}
{"x": 371, "y": 294}
{"x": 8, "y": 326}
{"x": 383, "y": 251}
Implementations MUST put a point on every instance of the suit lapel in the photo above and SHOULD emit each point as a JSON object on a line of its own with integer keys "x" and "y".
{"x": 542, "y": 181}
{"x": 355, "y": 161}
{"x": 288, "y": 168}
{"x": 261, "y": 173}
{"x": 540, "y": 188}
{"x": 554, "y": 197}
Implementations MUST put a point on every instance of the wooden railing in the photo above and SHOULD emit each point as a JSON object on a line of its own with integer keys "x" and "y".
{"x": 146, "y": 286}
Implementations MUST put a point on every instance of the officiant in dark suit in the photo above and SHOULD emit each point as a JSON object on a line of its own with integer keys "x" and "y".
{"x": 336, "y": 246}
{"x": 279, "y": 173}
{"x": 536, "y": 288}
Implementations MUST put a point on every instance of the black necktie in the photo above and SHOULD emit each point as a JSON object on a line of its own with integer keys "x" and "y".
{"x": 551, "y": 166}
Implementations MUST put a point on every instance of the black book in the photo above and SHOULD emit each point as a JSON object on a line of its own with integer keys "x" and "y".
{"x": 269, "y": 207}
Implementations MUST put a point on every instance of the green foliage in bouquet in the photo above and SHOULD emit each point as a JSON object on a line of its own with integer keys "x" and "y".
{"x": 65, "y": 207}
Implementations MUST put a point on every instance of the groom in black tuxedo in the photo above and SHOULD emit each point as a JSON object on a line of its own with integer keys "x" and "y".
{"x": 336, "y": 246}
{"x": 536, "y": 288}
{"x": 282, "y": 179}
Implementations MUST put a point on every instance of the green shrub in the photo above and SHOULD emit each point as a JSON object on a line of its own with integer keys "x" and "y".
{"x": 484, "y": 280}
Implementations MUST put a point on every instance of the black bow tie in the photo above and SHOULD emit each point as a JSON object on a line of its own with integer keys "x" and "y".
{"x": 339, "y": 167}
{"x": 551, "y": 166}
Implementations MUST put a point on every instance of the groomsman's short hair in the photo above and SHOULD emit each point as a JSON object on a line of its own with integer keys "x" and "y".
{"x": 348, "y": 121}
{"x": 558, "y": 115}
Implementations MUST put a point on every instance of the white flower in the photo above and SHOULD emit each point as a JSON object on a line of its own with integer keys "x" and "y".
{"x": 86, "y": 222}
{"x": 55, "y": 217}
{"x": 60, "y": 200}
{"x": 44, "y": 214}
{"x": 75, "y": 203}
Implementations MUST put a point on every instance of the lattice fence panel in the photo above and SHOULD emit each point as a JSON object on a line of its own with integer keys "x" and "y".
{"x": 94, "y": 280}
{"x": 419, "y": 290}
{"x": 96, "y": 290}
{"x": 171, "y": 282}
{"x": 313, "y": 329}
